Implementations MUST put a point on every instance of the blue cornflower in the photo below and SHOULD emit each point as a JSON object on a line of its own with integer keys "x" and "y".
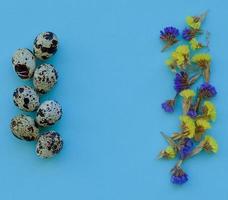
{"x": 207, "y": 90}
{"x": 169, "y": 35}
{"x": 168, "y": 106}
{"x": 181, "y": 81}
{"x": 186, "y": 147}
{"x": 187, "y": 34}
{"x": 178, "y": 177}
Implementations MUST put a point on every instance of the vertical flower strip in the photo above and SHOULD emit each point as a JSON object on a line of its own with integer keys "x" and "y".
{"x": 189, "y": 63}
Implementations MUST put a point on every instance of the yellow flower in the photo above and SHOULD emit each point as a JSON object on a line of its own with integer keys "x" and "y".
{"x": 203, "y": 124}
{"x": 209, "y": 110}
{"x": 188, "y": 126}
{"x": 193, "y": 22}
{"x": 203, "y": 59}
{"x": 171, "y": 64}
{"x": 209, "y": 144}
{"x": 182, "y": 49}
{"x": 187, "y": 93}
{"x": 181, "y": 56}
{"x": 168, "y": 153}
{"x": 187, "y": 99}
{"x": 195, "y": 44}
{"x": 169, "y": 61}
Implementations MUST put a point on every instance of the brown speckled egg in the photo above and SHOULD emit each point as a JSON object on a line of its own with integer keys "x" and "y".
{"x": 24, "y": 128}
{"x": 48, "y": 113}
{"x": 49, "y": 144}
{"x": 24, "y": 63}
{"x": 45, "y": 77}
{"x": 26, "y": 99}
{"x": 45, "y": 45}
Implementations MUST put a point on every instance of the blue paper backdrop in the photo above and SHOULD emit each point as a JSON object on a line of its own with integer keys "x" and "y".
{"x": 112, "y": 81}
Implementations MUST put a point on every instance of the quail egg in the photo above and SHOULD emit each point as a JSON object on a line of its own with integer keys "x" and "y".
{"x": 24, "y": 63}
{"x": 48, "y": 113}
{"x": 24, "y": 128}
{"x": 45, "y": 77}
{"x": 26, "y": 99}
{"x": 49, "y": 144}
{"x": 45, "y": 45}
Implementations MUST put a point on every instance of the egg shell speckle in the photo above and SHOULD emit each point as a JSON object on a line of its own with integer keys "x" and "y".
{"x": 48, "y": 113}
{"x": 26, "y": 99}
{"x": 24, "y": 63}
{"x": 23, "y": 127}
{"x": 45, "y": 77}
{"x": 49, "y": 144}
{"x": 45, "y": 45}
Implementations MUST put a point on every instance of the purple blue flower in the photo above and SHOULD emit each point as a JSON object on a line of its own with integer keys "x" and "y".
{"x": 181, "y": 81}
{"x": 186, "y": 147}
{"x": 187, "y": 34}
{"x": 192, "y": 112}
{"x": 178, "y": 177}
{"x": 207, "y": 90}
{"x": 169, "y": 33}
{"x": 168, "y": 106}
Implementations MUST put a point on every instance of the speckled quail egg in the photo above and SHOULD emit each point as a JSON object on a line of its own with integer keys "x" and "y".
{"x": 48, "y": 113}
{"x": 45, "y": 77}
{"x": 26, "y": 99}
{"x": 49, "y": 144}
{"x": 24, "y": 63}
{"x": 45, "y": 45}
{"x": 24, "y": 128}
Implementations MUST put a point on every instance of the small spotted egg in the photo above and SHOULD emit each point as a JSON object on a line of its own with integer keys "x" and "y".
{"x": 49, "y": 144}
{"x": 45, "y": 77}
{"x": 48, "y": 113}
{"x": 24, "y": 128}
{"x": 45, "y": 45}
{"x": 26, "y": 99}
{"x": 24, "y": 63}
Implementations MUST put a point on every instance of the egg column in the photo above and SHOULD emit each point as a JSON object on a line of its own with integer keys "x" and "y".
{"x": 44, "y": 77}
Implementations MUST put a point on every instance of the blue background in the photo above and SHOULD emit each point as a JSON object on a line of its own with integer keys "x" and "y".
{"x": 112, "y": 81}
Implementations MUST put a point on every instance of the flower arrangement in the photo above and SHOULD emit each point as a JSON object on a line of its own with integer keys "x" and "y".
{"x": 189, "y": 61}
